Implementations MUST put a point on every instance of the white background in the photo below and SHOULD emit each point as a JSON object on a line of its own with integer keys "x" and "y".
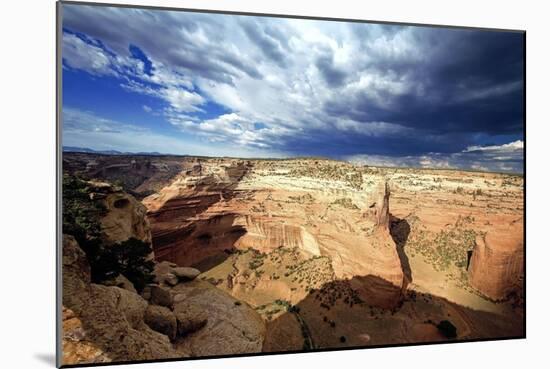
{"x": 27, "y": 182}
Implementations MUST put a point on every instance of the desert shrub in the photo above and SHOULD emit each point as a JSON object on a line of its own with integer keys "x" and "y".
{"x": 345, "y": 202}
{"x": 128, "y": 258}
{"x": 80, "y": 213}
{"x": 447, "y": 329}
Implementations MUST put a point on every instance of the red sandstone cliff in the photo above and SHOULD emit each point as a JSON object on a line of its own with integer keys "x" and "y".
{"x": 496, "y": 268}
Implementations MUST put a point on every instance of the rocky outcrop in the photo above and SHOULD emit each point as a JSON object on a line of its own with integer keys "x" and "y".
{"x": 124, "y": 216}
{"x": 190, "y": 318}
{"x": 185, "y": 273}
{"x": 378, "y": 211}
{"x": 379, "y": 279}
{"x": 161, "y": 296}
{"x": 162, "y": 320}
{"x": 232, "y": 327}
{"x": 170, "y": 274}
{"x": 108, "y": 323}
{"x": 497, "y": 266}
{"x": 101, "y": 323}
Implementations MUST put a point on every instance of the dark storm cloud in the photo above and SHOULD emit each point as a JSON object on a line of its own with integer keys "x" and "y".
{"x": 265, "y": 41}
{"x": 302, "y": 87}
{"x": 333, "y": 76}
{"x": 469, "y": 81}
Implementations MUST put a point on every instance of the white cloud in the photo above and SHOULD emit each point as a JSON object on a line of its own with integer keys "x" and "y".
{"x": 482, "y": 158}
{"x": 83, "y": 122}
{"x": 182, "y": 100}
{"x": 505, "y": 148}
{"x": 80, "y": 55}
{"x": 88, "y": 130}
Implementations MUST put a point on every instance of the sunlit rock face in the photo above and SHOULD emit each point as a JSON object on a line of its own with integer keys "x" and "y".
{"x": 497, "y": 264}
{"x": 379, "y": 210}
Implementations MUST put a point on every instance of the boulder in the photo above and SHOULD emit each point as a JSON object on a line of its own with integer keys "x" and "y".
{"x": 170, "y": 279}
{"x": 186, "y": 273}
{"x": 130, "y": 304}
{"x": 190, "y": 318}
{"x": 124, "y": 218}
{"x": 121, "y": 282}
{"x": 161, "y": 296}
{"x": 146, "y": 293}
{"x": 231, "y": 329}
{"x": 162, "y": 320}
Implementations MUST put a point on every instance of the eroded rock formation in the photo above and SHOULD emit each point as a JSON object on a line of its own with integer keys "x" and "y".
{"x": 104, "y": 323}
{"x": 123, "y": 216}
{"x": 497, "y": 266}
{"x": 380, "y": 278}
{"x": 379, "y": 209}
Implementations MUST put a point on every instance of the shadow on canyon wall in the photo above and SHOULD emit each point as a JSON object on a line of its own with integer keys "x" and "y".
{"x": 400, "y": 230}
{"x": 184, "y": 235}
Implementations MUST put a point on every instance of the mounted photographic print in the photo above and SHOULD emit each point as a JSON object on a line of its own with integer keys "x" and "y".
{"x": 249, "y": 184}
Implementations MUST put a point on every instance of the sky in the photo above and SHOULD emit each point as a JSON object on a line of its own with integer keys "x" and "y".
{"x": 141, "y": 80}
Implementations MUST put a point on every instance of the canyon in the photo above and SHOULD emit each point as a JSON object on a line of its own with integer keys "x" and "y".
{"x": 294, "y": 254}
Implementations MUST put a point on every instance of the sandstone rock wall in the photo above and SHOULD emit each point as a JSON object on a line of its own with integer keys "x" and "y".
{"x": 265, "y": 235}
{"x": 497, "y": 266}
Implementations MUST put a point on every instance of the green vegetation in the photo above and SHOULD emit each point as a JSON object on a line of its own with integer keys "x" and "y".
{"x": 449, "y": 247}
{"x": 257, "y": 260}
{"x": 304, "y": 199}
{"x": 345, "y": 202}
{"x": 128, "y": 258}
{"x": 335, "y": 172}
{"x": 81, "y": 214}
{"x": 334, "y": 291}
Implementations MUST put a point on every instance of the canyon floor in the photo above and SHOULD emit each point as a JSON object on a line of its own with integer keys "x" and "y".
{"x": 331, "y": 254}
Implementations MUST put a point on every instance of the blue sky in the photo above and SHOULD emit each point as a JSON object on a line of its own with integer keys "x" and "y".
{"x": 219, "y": 85}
